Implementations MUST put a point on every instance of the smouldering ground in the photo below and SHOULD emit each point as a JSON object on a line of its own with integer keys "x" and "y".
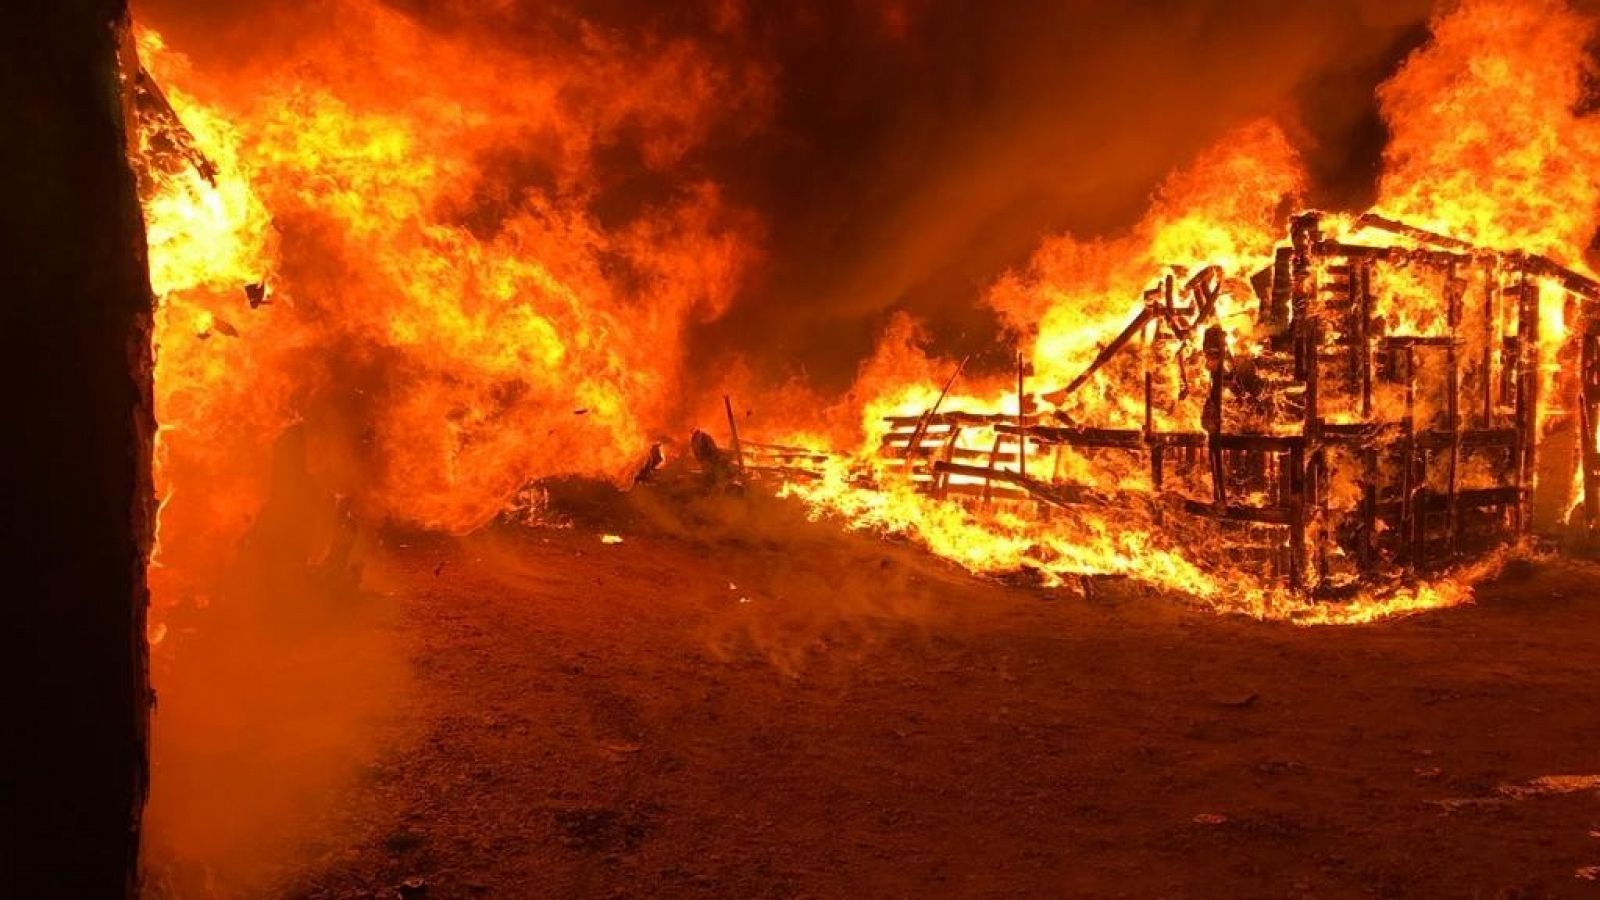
{"x": 733, "y": 703}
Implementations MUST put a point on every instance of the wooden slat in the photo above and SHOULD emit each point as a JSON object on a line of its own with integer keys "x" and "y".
{"x": 949, "y": 418}
{"x": 1058, "y": 494}
{"x": 1130, "y": 439}
{"x": 1271, "y": 443}
{"x": 1268, "y": 515}
{"x": 992, "y": 491}
{"x": 961, "y": 453}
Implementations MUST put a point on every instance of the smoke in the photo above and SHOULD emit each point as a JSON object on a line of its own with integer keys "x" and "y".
{"x": 908, "y": 174}
{"x": 273, "y": 691}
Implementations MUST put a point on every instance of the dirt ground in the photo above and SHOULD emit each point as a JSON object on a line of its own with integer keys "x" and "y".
{"x": 734, "y": 703}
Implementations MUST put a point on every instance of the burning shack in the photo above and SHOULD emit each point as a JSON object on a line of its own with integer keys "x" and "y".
{"x": 1381, "y": 401}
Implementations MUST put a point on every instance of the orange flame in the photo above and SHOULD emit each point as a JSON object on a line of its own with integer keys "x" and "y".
{"x": 445, "y": 330}
{"x": 448, "y": 334}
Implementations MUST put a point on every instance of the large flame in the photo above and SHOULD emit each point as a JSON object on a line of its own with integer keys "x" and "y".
{"x": 458, "y": 296}
{"x": 1489, "y": 140}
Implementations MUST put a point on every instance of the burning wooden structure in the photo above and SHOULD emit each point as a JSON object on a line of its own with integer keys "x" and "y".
{"x": 1391, "y": 408}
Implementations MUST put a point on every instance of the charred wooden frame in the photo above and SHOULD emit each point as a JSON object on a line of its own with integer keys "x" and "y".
{"x": 1465, "y": 396}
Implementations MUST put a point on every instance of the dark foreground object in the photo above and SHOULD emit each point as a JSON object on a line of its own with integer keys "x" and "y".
{"x": 780, "y": 711}
{"x": 75, "y": 319}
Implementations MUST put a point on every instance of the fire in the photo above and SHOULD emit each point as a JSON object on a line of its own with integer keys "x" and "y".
{"x": 351, "y": 244}
{"x": 1489, "y": 138}
{"x": 405, "y": 244}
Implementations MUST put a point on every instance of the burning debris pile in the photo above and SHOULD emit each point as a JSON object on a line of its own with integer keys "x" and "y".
{"x": 1380, "y": 403}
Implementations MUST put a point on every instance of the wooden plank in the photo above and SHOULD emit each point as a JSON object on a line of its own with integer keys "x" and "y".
{"x": 733, "y": 430}
{"x": 1058, "y": 494}
{"x": 1358, "y": 434}
{"x": 1104, "y": 356}
{"x": 1124, "y": 438}
{"x": 1176, "y": 439}
{"x": 965, "y": 454}
{"x": 1393, "y": 226}
{"x": 1545, "y": 267}
{"x": 1433, "y": 259}
{"x": 1470, "y": 439}
{"x": 1270, "y": 443}
{"x": 985, "y": 492}
{"x": 949, "y": 419}
{"x": 922, "y": 421}
{"x": 1022, "y": 418}
{"x": 1475, "y": 498}
{"x": 1269, "y": 515}
{"x": 1398, "y": 341}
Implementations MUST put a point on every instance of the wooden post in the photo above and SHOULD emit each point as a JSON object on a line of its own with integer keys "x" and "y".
{"x": 1528, "y": 391}
{"x": 1149, "y": 410}
{"x": 1363, "y": 274}
{"x": 941, "y": 480}
{"x": 915, "y": 447}
{"x": 1297, "y": 517}
{"x": 1591, "y": 503}
{"x": 1278, "y": 305}
{"x": 1022, "y": 419}
{"x": 75, "y": 313}
{"x": 1216, "y": 352}
{"x": 1491, "y": 326}
{"x": 1589, "y": 398}
{"x": 733, "y": 430}
{"x": 1408, "y": 447}
{"x": 1455, "y": 293}
{"x": 988, "y": 480}
{"x": 1369, "y": 511}
{"x": 1305, "y": 233}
